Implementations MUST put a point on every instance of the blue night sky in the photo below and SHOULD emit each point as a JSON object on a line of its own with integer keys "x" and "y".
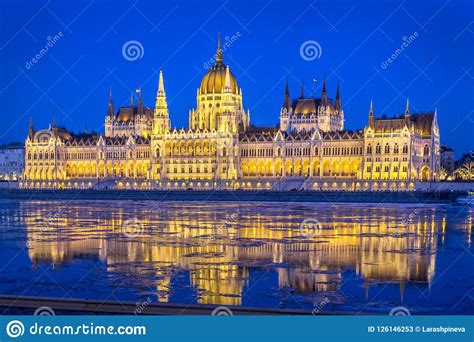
{"x": 71, "y": 81}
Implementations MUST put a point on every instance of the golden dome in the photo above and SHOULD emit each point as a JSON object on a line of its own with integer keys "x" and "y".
{"x": 214, "y": 80}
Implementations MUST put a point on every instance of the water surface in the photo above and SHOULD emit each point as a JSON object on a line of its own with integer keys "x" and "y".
{"x": 355, "y": 258}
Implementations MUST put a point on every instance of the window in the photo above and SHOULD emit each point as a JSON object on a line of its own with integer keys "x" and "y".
{"x": 377, "y": 149}
{"x": 395, "y": 148}
{"x": 369, "y": 149}
{"x": 405, "y": 148}
{"x": 426, "y": 150}
{"x": 387, "y": 148}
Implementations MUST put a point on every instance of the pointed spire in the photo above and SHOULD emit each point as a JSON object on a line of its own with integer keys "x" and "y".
{"x": 338, "y": 97}
{"x": 219, "y": 54}
{"x": 371, "y": 115}
{"x": 227, "y": 85}
{"x": 324, "y": 97}
{"x": 302, "y": 90}
{"x": 31, "y": 131}
{"x": 110, "y": 110}
{"x": 53, "y": 125}
{"x": 407, "y": 109}
{"x": 286, "y": 101}
{"x": 161, "y": 84}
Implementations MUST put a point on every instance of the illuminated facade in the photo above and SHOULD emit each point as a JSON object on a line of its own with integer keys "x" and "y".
{"x": 309, "y": 149}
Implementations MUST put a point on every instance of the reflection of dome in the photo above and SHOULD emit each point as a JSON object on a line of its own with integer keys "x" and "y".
{"x": 214, "y": 80}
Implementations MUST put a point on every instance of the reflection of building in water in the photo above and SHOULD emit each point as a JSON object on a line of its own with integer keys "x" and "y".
{"x": 218, "y": 252}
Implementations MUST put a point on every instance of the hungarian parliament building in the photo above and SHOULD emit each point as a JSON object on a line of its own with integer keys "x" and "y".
{"x": 221, "y": 149}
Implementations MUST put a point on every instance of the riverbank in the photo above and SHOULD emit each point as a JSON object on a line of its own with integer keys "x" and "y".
{"x": 237, "y": 195}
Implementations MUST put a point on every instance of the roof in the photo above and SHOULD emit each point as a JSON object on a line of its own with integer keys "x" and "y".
{"x": 305, "y": 106}
{"x": 423, "y": 122}
{"x": 127, "y": 114}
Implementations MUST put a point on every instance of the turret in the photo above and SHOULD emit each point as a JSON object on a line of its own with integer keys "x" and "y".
{"x": 31, "y": 131}
{"x": 407, "y": 110}
{"x": 54, "y": 128}
{"x": 287, "y": 101}
{"x": 161, "y": 121}
{"x": 371, "y": 115}
{"x": 338, "y": 98}
{"x": 110, "y": 110}
{"x": 324, "y": 96}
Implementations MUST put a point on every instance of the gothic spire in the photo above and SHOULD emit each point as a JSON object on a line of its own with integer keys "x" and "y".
{"x": 286, "y": 101}
{"x": 371, "y": 115}
{"x": 324, "y": 97}
{"x": 219, "y": 54}
{"x": 407, "y": 109}
{"x": 110, "y": 110}
{"x": 161, "y": 85}
{"x": 31, "y": 131}
{"x": 227, "y": 85}
{"x": 338, "y": 97}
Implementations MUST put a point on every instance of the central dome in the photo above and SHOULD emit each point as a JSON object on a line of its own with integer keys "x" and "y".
{"x": 214, "y": 80}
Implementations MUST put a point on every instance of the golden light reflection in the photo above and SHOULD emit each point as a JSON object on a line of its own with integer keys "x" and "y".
{"x": 219, "y": 243}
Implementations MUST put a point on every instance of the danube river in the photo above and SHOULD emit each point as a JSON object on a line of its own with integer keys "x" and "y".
{"x": 355, "y": 258}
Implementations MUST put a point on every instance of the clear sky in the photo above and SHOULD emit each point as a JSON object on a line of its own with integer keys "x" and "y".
{"x": 71, "y": 80}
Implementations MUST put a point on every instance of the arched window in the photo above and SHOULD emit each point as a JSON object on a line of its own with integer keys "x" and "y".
{"x": 279, "y": 152}
{"x": 316, "y": 151}
{"x": 395, "y": 148}
{"x": 426, "y": 150}
{"x": 29, "y": 155}
{"x": 158, "y": 152}
{"x": 369, "y": 149}
{"x": 405, "y": 148}
{"x": 377, "y": 149}
{"x": 387, "y": 148}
